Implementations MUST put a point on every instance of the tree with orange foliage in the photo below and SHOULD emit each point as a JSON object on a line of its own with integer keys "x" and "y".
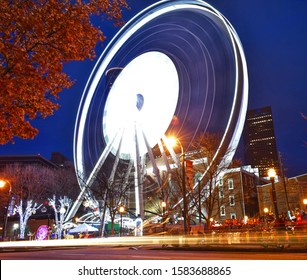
{"x": 36, "y": 38}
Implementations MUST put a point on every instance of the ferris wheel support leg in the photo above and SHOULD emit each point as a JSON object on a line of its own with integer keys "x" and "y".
{"x": 139, "y": 202}
{"x": 90, "y": 180}
{"x": 76, "y": 205}
{"x": 111, "y": 178}
{"x": 101, "y": 161}
{"x": 153, "y": 161}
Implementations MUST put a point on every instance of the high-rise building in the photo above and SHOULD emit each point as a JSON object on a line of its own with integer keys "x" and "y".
{"x": 260, "y": 149}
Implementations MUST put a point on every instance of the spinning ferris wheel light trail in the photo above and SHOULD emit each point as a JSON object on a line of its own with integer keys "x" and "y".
{"x": 178, "y": 68}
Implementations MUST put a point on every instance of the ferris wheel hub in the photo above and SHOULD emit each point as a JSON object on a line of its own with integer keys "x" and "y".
{"x": 154, "y": 76}
{"x": 139, "y": 101}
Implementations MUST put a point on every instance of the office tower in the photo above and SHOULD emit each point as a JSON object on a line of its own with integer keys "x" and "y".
{"x": 260, "y": 149}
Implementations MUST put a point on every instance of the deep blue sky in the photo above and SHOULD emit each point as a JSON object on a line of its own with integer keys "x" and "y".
{"x": 274, "y": 37}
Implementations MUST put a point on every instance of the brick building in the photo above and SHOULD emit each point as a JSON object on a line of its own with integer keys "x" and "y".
{"x": 238, "y": 195}
{"x": 290, "y": 194}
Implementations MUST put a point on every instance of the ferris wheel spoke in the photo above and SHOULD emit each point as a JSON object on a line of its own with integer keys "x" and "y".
{"x": 152, "y": 159}
{"x": 115, "y": 165}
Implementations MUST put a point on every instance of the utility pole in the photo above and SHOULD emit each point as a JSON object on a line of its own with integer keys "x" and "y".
{"x": 281, "y": 167}
{"x": 199, "y": 202}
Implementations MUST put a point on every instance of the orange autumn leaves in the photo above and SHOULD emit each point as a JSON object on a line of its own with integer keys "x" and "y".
{"x": 36, "y": 38}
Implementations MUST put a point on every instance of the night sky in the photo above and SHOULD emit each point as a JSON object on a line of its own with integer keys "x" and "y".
{"x": 274, "y": 37}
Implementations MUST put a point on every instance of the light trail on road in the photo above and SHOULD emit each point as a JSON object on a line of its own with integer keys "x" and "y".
{"x": 264, "y": 239}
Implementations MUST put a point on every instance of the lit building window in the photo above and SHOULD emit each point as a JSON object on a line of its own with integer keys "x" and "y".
{"x": 230, "y": 184}
{"x": 233, "y": 216}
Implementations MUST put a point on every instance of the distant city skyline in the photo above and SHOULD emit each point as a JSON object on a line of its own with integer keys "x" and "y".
{"x": 274, "y": 38}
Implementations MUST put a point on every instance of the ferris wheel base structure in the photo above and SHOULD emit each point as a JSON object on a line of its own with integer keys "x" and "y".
{"x": 176, "y": 68}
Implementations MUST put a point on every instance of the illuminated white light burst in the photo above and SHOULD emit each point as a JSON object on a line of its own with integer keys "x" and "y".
{"x": 151, "y": 77}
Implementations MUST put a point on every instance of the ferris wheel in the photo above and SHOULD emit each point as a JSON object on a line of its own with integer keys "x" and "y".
{"x": 177, "y": 67}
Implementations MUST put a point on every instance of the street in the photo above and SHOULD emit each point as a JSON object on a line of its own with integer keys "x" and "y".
{"x": 148, "y": 253}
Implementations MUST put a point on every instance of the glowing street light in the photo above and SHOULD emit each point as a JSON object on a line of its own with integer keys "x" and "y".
{"x": 266, "y": 211}
{"x": 121, "y": 211}
{"x": 2, "y": 185}
{"x": 305, "y": 202}
{"x": 272, "y": 175}
{"x": 163, "y": 204}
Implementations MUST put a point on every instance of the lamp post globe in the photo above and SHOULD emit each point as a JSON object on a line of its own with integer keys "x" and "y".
{"x": 121, "y": 211}
{"x": 271, "y": 173}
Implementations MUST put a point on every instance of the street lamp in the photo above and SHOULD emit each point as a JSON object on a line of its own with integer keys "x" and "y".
{"x": 266, "y": 211}
{"x": 305, "y": 203}
{"x": 210, "y": 223}
{"x": 163, "y": 204}
{"x": 121, "y": 211}
{"x": 2, "y": 184}
{"x": 272, "y": 175}
{"x": 184, "y": 191}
